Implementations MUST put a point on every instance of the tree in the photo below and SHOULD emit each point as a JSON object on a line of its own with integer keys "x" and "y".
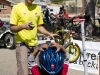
{"x": 83, "y": 8}
{"x": 58, "y": 1}
{"x": 16, "y": 1}
{"x": 90, "y": 9}
{"x": 98, "y": 3}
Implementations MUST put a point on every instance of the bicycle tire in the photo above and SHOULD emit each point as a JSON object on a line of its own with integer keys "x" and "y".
{"x": 77, "y": 51}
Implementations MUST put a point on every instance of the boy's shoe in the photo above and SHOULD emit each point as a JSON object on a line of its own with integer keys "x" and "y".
{"x": 66, "y": 58}
{"x": 31, "y": 61}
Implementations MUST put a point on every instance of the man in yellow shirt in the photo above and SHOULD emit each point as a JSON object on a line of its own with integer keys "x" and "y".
{"x": 26, "y": 19}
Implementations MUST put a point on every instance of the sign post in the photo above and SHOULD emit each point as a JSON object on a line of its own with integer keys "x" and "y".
{"x": 99, "y": 63}
{"x": 83, "y": 46}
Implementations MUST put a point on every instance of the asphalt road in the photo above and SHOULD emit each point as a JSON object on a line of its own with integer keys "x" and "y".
{"x": 8, "y": 63}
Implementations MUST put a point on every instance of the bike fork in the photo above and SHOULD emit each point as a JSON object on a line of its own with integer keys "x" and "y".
{"x": 73, "y": 44}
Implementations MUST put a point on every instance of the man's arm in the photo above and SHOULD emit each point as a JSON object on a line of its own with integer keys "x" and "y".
{"x": 43, "y": 30}
{"x": 27, "y": 26}
{"x": 15, "y": 28}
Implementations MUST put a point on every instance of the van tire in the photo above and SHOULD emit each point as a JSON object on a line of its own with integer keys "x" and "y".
{"x": 9, "y": 41}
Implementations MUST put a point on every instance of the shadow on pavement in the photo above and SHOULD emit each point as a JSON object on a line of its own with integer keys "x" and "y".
{"x": 2, "y": 47}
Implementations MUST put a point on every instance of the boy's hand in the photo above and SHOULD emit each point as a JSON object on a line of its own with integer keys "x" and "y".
{"x": 58, "y": 46}
{"x": 41, "y": 48}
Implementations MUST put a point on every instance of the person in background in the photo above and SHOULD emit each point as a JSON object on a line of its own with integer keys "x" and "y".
{"x": 66, "y": 16}
{"x": 64, "y": 10}
{"x": 43, "y": 14}
{"x": 34, "y": 67}
{"x": 47, "y": 14}
{"x": 61, "y": 11}
{"x": 1, "y": 23}
{"x": 25, "y": 21}
{"x": 61, "y": 16}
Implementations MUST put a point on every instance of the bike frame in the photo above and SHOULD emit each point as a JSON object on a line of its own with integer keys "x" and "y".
{"x": 68, "y": 37}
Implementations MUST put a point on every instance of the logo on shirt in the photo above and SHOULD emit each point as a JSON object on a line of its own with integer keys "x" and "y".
{"x": 36, "y": 14}
{"x": 24, "y": 13}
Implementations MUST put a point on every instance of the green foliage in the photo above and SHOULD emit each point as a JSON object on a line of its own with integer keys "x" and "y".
{"x": 16, "y": 1}
{"x": 58, "y": 1}
{"x": 98, "y": 3}
{"x": 72, "y": 4}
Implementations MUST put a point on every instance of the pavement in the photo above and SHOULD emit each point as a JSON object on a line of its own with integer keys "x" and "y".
{"x": 8, "y": 64}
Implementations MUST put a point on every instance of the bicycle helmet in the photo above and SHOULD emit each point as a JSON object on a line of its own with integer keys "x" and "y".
{"x": 51, "y": 61}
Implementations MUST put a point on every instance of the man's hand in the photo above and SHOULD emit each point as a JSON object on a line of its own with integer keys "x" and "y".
{"x": 53, "y": 35}
{"x": 28, "y": 26}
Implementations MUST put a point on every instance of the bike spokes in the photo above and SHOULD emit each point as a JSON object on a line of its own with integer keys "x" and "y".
{"x": 73, "y": 52}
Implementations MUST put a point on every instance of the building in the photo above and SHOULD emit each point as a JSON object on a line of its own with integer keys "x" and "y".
{"x": 5, "y": 7}
{"x": 42, "y": 1}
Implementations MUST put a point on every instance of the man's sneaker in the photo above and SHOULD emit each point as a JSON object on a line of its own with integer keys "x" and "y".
{"x": 31, "y": 61}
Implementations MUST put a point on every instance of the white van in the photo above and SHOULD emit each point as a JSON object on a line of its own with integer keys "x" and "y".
{"x": 53, "y": 9}
{"x": 41, "y": 5}
{"x": 7, "y": 38}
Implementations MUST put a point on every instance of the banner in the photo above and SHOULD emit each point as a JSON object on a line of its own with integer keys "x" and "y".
{"x": 92, "y": 50}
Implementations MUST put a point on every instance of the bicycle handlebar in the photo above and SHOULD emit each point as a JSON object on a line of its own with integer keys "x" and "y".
{"x": 66, "y": 30}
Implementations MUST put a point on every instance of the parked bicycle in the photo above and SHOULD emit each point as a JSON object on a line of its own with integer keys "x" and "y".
{"x": 75, "y": 25}
{"x": 66, "y": 39}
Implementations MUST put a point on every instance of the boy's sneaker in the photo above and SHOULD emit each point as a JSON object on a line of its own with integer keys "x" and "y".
{"x": 66, "y": 58}
{"x": 31, "y": 61}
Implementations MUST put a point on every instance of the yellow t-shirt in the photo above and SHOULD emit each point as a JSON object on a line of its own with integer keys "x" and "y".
{"x": 21, "y": 14}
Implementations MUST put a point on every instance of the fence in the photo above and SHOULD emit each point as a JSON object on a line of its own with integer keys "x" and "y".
{"x": 74, "y": 10}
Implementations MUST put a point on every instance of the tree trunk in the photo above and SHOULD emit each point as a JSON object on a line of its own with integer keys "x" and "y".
{"x": 90, "y": 10}
{"x": 83, "y": 8}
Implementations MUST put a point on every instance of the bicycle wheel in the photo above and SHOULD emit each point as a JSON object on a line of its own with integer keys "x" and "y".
{"x": 73, "y": 51}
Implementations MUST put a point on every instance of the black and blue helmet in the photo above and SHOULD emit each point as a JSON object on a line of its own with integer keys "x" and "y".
{"x": 51, "y": 61}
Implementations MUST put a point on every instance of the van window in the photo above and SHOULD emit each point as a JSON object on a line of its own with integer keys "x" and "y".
{"x": 43, "y": 7}
{"x": 51, "y": 9}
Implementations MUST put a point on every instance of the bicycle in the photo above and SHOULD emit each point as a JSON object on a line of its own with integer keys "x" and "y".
{"x": 67, "y": 36}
